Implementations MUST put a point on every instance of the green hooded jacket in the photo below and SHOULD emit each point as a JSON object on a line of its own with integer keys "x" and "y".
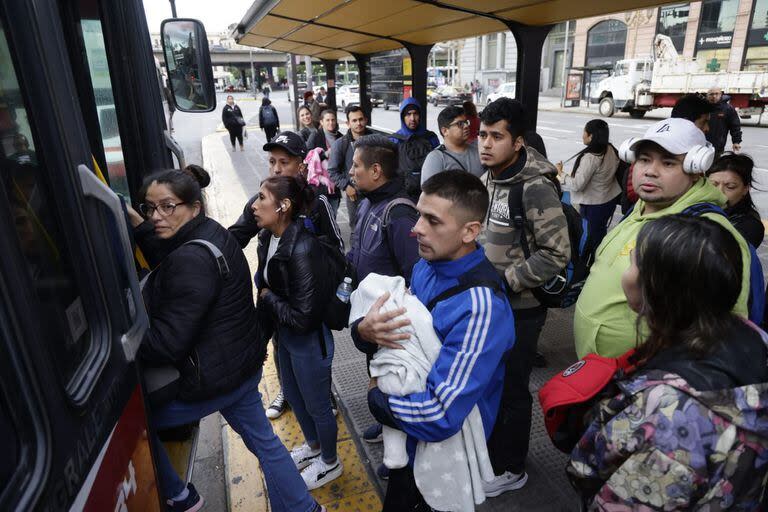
{"x": 603, "y": 323}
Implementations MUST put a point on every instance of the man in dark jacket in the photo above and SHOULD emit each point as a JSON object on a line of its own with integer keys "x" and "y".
{"x": 340, "y": 162}
{"x": 383, "y": 242}
{"x": 723, "y": 119}
{"x": 286, "y": 157}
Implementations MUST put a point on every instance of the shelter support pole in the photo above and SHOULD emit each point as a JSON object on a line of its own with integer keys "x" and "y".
{"x": 330, "y": 81}
{"x": 293, "y": 89}
{"x": 530, "y": 41}
{"x": 419, "y": 61}
{"x": 363, "y": 61}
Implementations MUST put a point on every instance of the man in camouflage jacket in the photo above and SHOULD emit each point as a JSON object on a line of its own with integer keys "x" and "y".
{"x": 510, "y": 162}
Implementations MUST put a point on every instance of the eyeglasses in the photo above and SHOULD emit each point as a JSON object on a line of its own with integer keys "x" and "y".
{"x": 165, "y": 209}
{"x": 460, "y": 124}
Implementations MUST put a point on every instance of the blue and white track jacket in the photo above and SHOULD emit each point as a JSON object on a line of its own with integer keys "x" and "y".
{"x": 477, "y": 329}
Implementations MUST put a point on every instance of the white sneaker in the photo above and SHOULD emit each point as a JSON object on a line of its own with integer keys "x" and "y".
{"x": 277, "y": 407}
{"x": 303, "y": 456}
{"x": 504, "y": 483}
{"x": 318, "y": 473}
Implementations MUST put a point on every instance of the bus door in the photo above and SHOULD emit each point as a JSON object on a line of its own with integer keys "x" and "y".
{"x": 72, "y": 417}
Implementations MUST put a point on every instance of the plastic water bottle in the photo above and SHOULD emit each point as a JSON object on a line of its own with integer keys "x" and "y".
{"x": 344, "y": 290}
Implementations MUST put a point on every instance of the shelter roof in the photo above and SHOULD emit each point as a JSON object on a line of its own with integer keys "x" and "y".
{"x": 333, "y": 29}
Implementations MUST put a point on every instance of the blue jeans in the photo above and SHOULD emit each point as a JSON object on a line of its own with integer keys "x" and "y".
{"x": 243, "y": 409}
{"x": 306, "y": 381}
{"x": 598, "y": 216}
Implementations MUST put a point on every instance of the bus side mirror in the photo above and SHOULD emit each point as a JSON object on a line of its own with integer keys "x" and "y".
{"x": 188, "y": 62}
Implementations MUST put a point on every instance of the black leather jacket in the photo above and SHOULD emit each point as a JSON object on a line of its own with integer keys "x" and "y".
{"x": 296, "y": 279}
{"x": 200, "y": 322}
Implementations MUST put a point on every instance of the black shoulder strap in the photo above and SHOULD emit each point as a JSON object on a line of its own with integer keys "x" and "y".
{"x": 455, "y": 290}
{"x": 221, "y": 261}
{"x": 385, "y": 219}
{"x": 444, "y": 151}
{"x": 517, "y": 215}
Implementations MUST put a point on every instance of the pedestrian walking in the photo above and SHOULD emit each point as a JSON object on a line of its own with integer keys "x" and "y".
{"x": 268, "y": 119}
{"x": 722, "y": 121}
{"x": 233, "y": 120}
{"x": 293, "y": 289}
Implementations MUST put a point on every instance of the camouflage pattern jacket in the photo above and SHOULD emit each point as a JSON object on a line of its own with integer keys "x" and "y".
{"x": 546, "y": 229}
{"x": 661, "y": 444}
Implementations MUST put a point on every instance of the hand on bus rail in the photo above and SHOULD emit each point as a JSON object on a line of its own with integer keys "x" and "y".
{"x": 134, "y": 216}
{"x": 379, "y": 327}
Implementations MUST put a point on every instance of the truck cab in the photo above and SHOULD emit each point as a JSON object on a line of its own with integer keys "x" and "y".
{"x": 622, "y": 89}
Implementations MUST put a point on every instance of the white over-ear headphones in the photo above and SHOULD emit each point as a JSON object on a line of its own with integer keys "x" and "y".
{"x": 698, "y": 160}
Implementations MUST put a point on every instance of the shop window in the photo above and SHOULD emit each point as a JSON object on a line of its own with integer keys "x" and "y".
{"x": 606, "y": 42}
{"x": 673, "y": 22}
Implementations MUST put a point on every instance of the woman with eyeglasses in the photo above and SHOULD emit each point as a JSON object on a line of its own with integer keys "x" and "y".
{"x": 203, "y": 322}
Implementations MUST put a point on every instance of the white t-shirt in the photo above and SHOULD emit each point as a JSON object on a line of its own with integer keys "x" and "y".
{"x": 274, "y": 241}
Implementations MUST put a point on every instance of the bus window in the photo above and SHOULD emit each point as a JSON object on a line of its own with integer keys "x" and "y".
{"x": 93, "y": 37}
{"x": 59, "y": 304}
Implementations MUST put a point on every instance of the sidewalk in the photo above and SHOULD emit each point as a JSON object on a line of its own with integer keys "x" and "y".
{"x": 235, "y": 177}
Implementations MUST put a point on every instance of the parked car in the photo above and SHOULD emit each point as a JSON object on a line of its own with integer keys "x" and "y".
{"x": 449, "y": 95}
{"x": 505, "y": 90}
{"x": 347, "y": 95}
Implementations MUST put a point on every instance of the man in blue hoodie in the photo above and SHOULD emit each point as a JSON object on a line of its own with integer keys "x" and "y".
{"x": 414, "y": 144}
{"x": 470, "y": 314}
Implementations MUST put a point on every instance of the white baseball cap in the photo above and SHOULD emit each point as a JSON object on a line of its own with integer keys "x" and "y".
{"x": 678, "y": 136}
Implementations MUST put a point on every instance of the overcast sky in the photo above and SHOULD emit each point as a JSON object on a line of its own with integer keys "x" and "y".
{"x": 215, "y": 18}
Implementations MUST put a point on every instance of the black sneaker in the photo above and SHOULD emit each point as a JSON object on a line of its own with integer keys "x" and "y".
{"x": 373, "y": 434}
{"x": 278, "y": 406}
{"x": 192, "y": 503}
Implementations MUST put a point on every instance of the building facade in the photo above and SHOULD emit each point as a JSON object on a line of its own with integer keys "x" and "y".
{"x": 722, "y": 35}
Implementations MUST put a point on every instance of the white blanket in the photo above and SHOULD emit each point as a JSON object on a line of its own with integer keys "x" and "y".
{"x": 450, "y": 473}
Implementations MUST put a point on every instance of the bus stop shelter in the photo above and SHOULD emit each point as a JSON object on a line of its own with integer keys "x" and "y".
{"x": 334, "y": 29}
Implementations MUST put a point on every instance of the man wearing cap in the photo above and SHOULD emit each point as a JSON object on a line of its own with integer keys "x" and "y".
{"x": 723, "y": 119}
{"x": 286, "y": 158}
{"x": 667, "y": 183}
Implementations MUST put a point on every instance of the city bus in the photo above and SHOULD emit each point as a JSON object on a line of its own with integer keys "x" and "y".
{"x": 390, "y": 78}
{"x": 81, "y": 120}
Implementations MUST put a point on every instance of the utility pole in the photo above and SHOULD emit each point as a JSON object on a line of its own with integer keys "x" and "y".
{"x": 308, "y": 67}
{"x": 253, "y": 76}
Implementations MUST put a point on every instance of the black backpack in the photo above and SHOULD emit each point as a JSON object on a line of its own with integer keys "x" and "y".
{"x": 336, "y": 312}
{"x": 268, "y": 117}
{"x": 563, "y": 290}
{"x": 411, "y": 153}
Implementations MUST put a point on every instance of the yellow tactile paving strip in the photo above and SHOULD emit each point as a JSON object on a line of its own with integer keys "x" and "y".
{"x": 352, "y": 492}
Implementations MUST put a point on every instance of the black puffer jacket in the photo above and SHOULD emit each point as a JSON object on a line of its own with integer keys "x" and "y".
{"x": 201, "y": 323}
{"x": 296, "y": 276}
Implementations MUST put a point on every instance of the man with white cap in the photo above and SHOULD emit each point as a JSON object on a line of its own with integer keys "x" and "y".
{"x": 670, "y": 162}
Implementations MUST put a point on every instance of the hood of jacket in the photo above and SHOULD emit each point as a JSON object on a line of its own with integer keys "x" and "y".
{"x": 535, "y": 165}
{"x": 404, "y": 130}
